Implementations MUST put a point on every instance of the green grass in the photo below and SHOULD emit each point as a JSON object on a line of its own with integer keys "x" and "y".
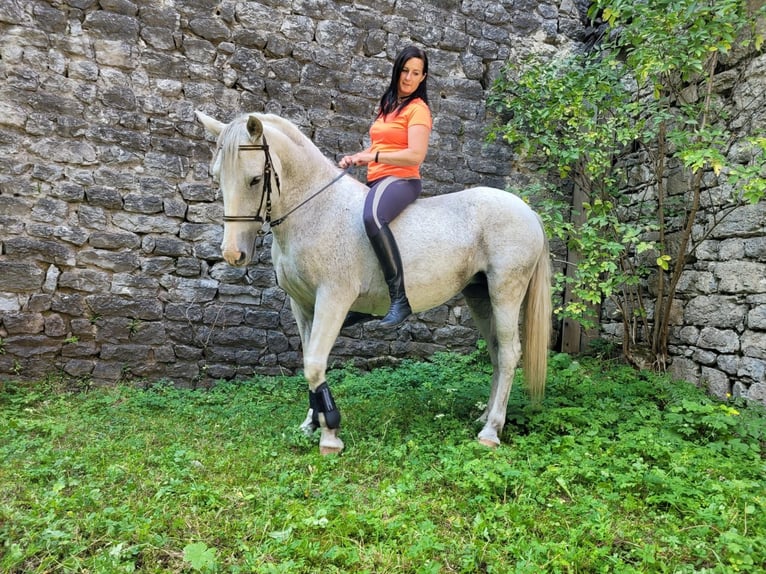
{"x": 616, "y": 471}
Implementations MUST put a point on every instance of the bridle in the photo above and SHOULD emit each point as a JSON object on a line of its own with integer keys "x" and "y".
{"x": 268, "y": 170}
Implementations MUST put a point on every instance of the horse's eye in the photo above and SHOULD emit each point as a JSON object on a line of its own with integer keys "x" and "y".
{"x": 255, "y": 181}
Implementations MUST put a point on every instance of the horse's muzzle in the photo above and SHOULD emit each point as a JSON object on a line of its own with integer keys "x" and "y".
{"x": 235, "y": 258}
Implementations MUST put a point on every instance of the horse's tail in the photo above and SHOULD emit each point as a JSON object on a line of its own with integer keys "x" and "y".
{"x": 537, "y": 324}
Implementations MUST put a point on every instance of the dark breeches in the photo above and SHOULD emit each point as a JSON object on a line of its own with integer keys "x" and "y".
{"x": 386, "y": 199}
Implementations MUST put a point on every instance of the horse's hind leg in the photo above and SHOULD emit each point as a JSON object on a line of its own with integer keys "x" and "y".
{"x": 506, "y": 304}
{"x": 477, "y": 298}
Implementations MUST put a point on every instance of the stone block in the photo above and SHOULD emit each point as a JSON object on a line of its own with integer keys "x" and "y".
{"x": 753, "y": 369}
{"x": 455, "y": 336}
{"x": 277, "y": 342}
{"x": 743, "y": 221}
{"x": 141, "y": 223}
{"x": 730, "y": 249}
{"x": 23, "y": 323}
{"x": 719, "y": 310}
{"x": 141, "y": 203}
{"x": 41, "y": 250}
{"x": 55, "y": 326}
{"x": 165, "y": 17}
{"x": 262, "y": 319}
{"x": 170, "y": 246}
{"x": 114, "y": 240}
{"x": 721, "y": 340}
{"x": 741, "y": 277}
{"x": 716, "y": 383}
{"x": 223, "y": 315}
{"x": 757, "y": 392}
{"x": 134, "y": 285}
{"x": 212, "y": 29}
{"x": 79, "y": 349}
{"x": 755, "y": 248}
{"x": 189, "y": 290}
{"x": 117, "y": 261}
{"x": 684, "y": 369}
{"x": 125, "y": 353}
{"x": 108, "y": 372}
{"x": 112, "y": 26}
{"x": 184, "y": 352}
{"x": 117, "y": 306}
{"x": 20, "y": 276}
{"x": 738, "y": 390}
{"x": 704, "y": 357}
{"x": 753, "y": 344}
{"x": 688, "y": 335}
{"x": 83, "y": 328}
{"x": 173, "y": 207}
{"x": 79, "y": 367}
{"x": 30, "y": 345}
{"x": 756, "y": 317}
{"x": 188, "y": 267}
{"x": 728, "y": 363}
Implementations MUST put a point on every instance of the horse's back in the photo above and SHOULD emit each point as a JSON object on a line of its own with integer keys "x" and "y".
{"x": 448, "y": 241}
{"x": 483, "y": 217}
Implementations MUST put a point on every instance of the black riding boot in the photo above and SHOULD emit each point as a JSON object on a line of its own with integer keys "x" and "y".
{"x": 387, "y": 252}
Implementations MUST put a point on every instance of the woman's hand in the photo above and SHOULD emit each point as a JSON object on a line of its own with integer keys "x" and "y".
{"x": 361, "y": 158}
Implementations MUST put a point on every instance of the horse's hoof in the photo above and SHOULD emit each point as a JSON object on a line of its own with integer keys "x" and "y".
{"x": 329, "y": 450}
{"x": 489, "y": 443}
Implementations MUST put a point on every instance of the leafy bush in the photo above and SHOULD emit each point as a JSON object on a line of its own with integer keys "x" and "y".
{"x": 642, "y": 128}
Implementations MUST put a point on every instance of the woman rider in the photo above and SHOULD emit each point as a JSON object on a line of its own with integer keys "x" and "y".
{"x": 398, "y": 145}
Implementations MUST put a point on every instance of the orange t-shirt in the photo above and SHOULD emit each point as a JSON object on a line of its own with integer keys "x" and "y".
{"x": 390, "y": 134}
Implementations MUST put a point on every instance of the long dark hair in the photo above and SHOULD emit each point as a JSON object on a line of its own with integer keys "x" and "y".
{"x": 389, "y": 102}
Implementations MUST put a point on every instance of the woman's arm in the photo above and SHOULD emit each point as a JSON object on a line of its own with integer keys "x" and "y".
{"x": 414, "y": 154}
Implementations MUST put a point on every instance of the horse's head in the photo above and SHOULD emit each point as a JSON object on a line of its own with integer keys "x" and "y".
{"x": 242, "y": 175}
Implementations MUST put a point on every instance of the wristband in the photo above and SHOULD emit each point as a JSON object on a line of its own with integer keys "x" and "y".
{"x": 377, "y": 153}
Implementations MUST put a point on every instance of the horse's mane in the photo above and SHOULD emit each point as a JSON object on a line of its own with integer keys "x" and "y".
{"x": 237, "y": 132}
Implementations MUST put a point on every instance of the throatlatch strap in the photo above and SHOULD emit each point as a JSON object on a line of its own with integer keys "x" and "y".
{"x": 321, "y": 401}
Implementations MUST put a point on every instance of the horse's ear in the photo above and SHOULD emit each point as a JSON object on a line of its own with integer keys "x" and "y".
{"x": 212, "y": 125}
{"x": 254, "y": 127}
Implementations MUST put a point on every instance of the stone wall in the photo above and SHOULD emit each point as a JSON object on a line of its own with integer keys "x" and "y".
{"x": 109, "y": 226}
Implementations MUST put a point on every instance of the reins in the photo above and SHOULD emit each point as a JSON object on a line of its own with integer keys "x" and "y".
{"x": 268, "y": 170}
{"x": 301, "y": 204}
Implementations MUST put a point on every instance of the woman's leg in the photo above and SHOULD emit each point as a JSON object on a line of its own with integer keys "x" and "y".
{"x": 386, "y": 200}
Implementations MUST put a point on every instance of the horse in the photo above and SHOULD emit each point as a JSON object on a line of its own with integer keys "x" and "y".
{"x": 483, "y": 242}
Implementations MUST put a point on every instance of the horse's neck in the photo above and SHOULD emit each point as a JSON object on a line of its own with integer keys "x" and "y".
{"x": 303, "y": 167}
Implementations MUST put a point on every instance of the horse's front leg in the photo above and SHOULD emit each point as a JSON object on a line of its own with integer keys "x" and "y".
{"x": 303, "y": 319}
{"x": 323, "y": 411}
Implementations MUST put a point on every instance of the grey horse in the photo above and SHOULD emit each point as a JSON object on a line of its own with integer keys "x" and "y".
{"x": 484, "y": 242}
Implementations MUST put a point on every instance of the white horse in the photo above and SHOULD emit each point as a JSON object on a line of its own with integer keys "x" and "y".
{"x": 483, "y": 242}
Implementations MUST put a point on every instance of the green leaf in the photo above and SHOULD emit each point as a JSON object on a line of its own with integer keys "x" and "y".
{"x": 663, "y": 262}
{"x": 199, "y": 556}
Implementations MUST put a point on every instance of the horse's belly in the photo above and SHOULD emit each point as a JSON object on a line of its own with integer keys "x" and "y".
{"x": 429, "y": 286}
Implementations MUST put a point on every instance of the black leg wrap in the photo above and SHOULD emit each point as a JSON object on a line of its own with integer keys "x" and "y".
{"x": 314, "y": 406}
{"x": 321, "y": 401}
